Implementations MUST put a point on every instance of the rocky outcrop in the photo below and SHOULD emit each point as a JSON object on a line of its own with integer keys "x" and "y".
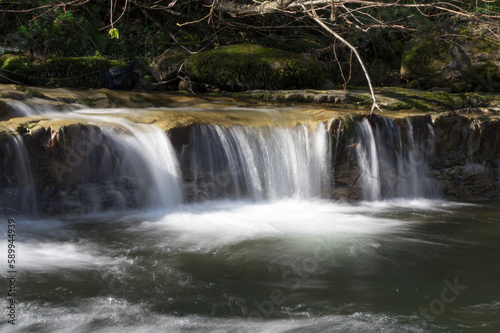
{"x": 467, "y": 156}
{"x": 465, "y": 62}
{"x": 246, "y": 67}
{"x": 460, "y": 155}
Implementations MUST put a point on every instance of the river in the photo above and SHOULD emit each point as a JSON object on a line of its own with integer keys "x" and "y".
{"x": 270, "y": 254}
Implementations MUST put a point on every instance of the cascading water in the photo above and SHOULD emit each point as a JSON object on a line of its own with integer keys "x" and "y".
{"x": 148, "y": 155}
{"x": 38, "y": 107}
{"x": 366, "y": 150}
{"x": 109, "y": 166}
{"x": 257, "y": 163}
{"x": 17, "y": 194}
{"x": 280, "y": 263}
{"x": 393, "y": 159}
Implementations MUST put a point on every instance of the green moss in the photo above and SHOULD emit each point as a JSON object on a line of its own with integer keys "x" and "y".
{"x": 486, "y": 46}
{"x": 425, "y": 56}
{"x": 16, "y": 64}
{"x": 30, "y": 92}
{"x": 294, "y": 45}
{"x": 433, "y": 101}
{"x": 417, "y": 104}
{"x": 483, "y": 78}
{"x": 246, "y": 67}
{"x": 348, "y": 130}
{"x": 415, "y": 84}
{"x": 399, "y": 106}
{"x": 70, "y": 72}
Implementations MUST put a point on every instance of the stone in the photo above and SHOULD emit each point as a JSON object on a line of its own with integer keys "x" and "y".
{"x": 165, "y": 67}
{"x": 466, "y": 62}
{"x": 3, "y": 108}
{"x": 248, "y": 67}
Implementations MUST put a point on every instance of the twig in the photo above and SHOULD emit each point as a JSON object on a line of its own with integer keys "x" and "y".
{"x": 352, "y": 186}
{"x": 336, "y": 35}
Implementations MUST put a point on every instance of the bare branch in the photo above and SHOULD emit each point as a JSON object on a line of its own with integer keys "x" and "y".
{"x": 336, "y": 35}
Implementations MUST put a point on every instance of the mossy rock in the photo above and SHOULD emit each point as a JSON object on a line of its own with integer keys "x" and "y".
{"x": 16, "y": 64}
{"x": 80, "y": 72}
{"x": 465, "y": 63}
{"x": 425, "y": 58}
{"x": 246, "y": 67}
{"x": 295, "y": 45}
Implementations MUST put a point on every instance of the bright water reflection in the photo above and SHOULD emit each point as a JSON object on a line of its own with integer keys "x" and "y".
{"x": 274, "y": 266}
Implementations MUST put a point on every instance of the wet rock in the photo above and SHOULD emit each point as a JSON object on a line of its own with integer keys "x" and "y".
{"x": 3, "y": 108}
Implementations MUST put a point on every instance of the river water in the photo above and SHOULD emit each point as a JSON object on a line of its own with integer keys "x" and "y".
{"x": 272, "y": 266}
{"x": 269, "y": 256}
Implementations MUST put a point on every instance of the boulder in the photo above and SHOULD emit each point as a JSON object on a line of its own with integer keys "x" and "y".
{"x": 247, "y": 67}
{"x": 167, "y": 65}
{"x": 466, "y": 62}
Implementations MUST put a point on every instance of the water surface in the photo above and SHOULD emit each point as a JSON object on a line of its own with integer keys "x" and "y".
{"x": 273, "y": 266}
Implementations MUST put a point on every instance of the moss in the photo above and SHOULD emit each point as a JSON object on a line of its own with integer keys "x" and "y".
{"x": 433, "y": 101}
{"x": 414, "y": 84}
{"x": 483, "y": 78}
{"x": 426, "y": 55}
{"x": 486, "y": 46}
{"x": 246, "y": 67}
{"x": 70, "y": 72}
{"x": 30, "y": 92}
{"x": 418, "y": 105}
{"x": 295, "y": 45}
{"x": 399, "y": 106}
{"x": 348, "y": 131}
{"x": 16, "y": 64}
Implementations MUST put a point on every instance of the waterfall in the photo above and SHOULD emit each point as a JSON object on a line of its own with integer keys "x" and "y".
{"x": 149, "y": 155}
{"x": 35, "y": 107}
{"x": 256, "y": 163}
{"x": 17, "y": 194}
{"x": 393, "y": 159}
{"x": 116, "y": 165}
{"x": 366, "y": 151}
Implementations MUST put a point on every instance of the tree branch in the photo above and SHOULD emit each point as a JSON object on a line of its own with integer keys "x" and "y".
{"x": 336, "y": 35}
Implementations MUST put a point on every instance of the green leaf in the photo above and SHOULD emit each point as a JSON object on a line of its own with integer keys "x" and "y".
{"x": 114, "y": 33}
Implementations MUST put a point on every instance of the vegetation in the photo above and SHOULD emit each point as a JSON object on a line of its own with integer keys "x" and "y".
{"x": 70, "y": 72}
{"x": 330, "y": 31}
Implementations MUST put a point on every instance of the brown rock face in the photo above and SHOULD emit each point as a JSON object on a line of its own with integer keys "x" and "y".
{"x": 467, "y": 156}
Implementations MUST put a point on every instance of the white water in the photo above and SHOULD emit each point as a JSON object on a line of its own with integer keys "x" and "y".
{"x": 87, "y": 275}
{"x": 393, "y": 165}
{"x": 215, "y": 265}
{"x": 20, "y": 195}
{"x": 151, "y": 156}
{"x": 120, "y": 165}
{"x": 38, "y": 107}
{"x": 259, "y": 163}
